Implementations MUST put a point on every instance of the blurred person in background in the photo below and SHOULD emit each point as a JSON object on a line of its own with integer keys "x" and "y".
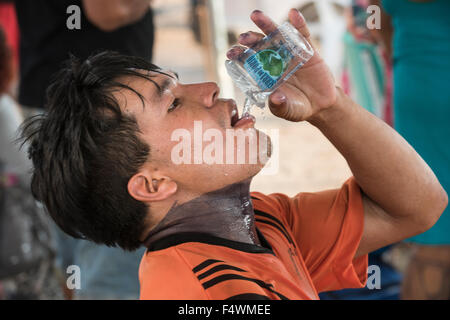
{"x": 25, "y": 255}
{"x": 367, "y": 74}
{"x": 124, "y": 26}
{"x": 14, "y": 159}
{"x": 417, "y": 36}
{"x": 17, "y": 266}
{"x": 8, "y": 21}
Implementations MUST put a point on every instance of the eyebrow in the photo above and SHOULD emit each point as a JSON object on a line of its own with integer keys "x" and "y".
{"x": 166, "y": 83}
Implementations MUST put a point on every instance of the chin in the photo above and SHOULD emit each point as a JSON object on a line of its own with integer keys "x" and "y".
{"x": 264, "y": 142}
{"x": 252, "y": 170}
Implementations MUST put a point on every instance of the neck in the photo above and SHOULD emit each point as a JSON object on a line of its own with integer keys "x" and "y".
{"x": 226, "y": 213}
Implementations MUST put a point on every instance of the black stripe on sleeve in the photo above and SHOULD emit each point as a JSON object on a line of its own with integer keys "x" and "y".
{"x": 280, "y": 224}
{"x": 230, "y": 276}
{"x": 271, "y": 217}
{"x": 218, "y": 268}
{"x": 204, "y": 264}
{"x": 277, "y": 227}
{"x": 248, "y": 296}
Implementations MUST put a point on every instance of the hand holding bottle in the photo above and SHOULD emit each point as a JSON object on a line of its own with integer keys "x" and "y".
{"x": 310, "y": 89}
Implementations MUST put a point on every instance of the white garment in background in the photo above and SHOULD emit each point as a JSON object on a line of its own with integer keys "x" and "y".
{"x": 14, "y": 158}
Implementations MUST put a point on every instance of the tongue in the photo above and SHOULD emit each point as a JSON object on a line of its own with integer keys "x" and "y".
{"x": 246, "y": 118}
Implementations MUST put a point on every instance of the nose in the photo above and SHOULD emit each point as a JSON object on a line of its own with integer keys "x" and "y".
{"x": 206, "y": 93}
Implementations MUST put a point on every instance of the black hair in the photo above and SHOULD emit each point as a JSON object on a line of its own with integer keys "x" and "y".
{"x": 84, "y": 150}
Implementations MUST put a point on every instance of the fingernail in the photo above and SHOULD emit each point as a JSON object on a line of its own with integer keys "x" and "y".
{"x": 278, "y": 98}
{"x": 244, "y": 35}
{"x": 232, "y": 53}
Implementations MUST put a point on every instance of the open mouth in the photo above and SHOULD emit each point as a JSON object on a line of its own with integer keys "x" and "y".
{"x": 234, "y": 116}
{"x": 246, "y": 120}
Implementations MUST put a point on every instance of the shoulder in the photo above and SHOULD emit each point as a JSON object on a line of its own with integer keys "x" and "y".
{"x": 168, "y": 275}
{"x": 275, "y": 204}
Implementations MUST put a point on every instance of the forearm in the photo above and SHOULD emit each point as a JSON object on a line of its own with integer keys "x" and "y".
{"x": 109, "y": 15}
{"x": 386, "y": 167}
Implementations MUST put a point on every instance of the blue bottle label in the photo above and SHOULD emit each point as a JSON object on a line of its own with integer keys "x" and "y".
{"x": 267, "y": 66}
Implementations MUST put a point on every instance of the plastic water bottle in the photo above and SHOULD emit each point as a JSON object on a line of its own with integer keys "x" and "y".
{"x": 262, "y": 68}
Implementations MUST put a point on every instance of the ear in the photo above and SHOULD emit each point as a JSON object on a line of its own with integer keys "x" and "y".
{"x": 149, "y": 187}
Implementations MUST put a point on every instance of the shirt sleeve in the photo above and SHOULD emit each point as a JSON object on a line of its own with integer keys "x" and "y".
{"x": 167, "y": 277}
{"x": 327, "y": 227}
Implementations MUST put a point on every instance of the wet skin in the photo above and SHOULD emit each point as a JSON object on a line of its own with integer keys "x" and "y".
{"x": 226, "y": 213}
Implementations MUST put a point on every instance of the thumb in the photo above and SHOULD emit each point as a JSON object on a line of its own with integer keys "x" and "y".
{"x": 277, "y": 98}
{"x": 288, "y": 105}
{"x": 278, "y": 103}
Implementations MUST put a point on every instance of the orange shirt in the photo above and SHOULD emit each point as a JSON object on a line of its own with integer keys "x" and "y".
{"x": 308, "y": 246}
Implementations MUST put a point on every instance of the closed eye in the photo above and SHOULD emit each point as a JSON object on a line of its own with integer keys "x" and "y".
{"x": 175, "y": 104}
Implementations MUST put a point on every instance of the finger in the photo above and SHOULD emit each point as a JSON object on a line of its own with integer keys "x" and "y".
{"x": 235, "y": 52}
{"x": 249, "y": 38}
{"x": 263, "y": 22}
{"x": 299, "y": 22}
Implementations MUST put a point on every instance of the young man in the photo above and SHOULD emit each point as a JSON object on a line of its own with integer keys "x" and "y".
{"x": 103, "y": 158}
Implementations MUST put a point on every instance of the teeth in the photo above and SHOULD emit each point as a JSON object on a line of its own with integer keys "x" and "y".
{"x": 233, "y": 113}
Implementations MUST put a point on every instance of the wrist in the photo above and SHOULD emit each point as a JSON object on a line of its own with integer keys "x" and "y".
{"x": 335, "y": 113}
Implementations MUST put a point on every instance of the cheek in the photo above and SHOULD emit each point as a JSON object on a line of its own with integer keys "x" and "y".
{"x": 158, "y": 137}
{"x": 181, "y": 142}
